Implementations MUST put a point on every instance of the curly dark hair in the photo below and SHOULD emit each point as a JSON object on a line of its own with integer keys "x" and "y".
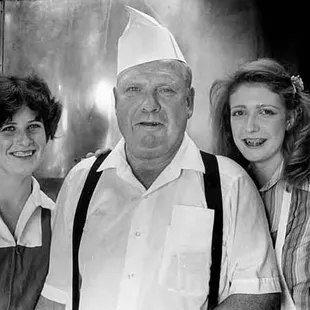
{"x": 275, "y": 77}
{"x": 33, "y": 92}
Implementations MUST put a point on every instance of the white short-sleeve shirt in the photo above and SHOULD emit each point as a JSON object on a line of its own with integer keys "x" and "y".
{"x": 28, "y": 231}
{"x": 150, "y": 249}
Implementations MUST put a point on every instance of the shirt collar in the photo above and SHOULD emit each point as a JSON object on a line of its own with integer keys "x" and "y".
{"x": 38, "y": 198}
{"x": 274, "y": 179}
{"x": 187, "y": 157}
{"x": 116, "y": 158}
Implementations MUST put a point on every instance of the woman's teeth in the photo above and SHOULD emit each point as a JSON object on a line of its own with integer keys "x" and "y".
{"x": 254, "y": 142}
{"x": 23, "y": 154}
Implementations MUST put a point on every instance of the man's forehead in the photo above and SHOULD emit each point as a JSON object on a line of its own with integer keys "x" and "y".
{"x": 168, "y": 69}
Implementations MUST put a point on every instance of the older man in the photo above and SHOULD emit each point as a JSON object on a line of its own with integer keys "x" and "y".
{"x": 146, "y": 243}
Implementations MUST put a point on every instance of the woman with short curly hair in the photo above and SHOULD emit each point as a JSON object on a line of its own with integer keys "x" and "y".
{"x": 261, "y": 115}
{"x": 29, "y": 115}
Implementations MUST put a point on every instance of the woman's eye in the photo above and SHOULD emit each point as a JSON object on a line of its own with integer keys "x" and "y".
{"x": 237, "y": 113}
{"x": 35, "y": 126}
{"x": 267, "y": 112}
{"x": 8, "y": 129}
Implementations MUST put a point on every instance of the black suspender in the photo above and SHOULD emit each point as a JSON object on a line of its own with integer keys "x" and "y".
{"x": 78, "y": 226}
{"x": 214, "y": 201}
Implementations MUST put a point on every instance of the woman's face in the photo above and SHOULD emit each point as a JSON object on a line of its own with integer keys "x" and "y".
{"x": 22, "y": 142}
{"x": 258, "y": 122}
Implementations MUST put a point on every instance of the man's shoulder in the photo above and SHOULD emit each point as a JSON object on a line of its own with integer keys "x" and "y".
{"x": 84, "y": 164}
{"x": 234, "y": 179}
{"x": 74, "y": 181}
{"x": 230, "y": 170}
{"x": 81, "y": 169}
{"x": 228, "y": 167}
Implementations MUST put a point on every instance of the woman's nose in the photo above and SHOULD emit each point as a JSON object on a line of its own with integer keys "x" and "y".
{"x": 23, "y": 138}
{"x": 252, "y": 124}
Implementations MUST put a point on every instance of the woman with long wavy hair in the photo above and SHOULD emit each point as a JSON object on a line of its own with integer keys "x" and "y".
{"x": 261, "y": 116}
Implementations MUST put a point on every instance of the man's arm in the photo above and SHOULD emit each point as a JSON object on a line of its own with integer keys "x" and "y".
{"x": 250, "y": 302}
{"x": 46, "y": 304}
{"x": 252, "y": 269}
{"x": 55, "y": 293}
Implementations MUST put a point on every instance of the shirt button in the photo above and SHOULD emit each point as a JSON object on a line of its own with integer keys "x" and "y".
{"x": 138, "y": 233}
{"x": 131, "y": 275}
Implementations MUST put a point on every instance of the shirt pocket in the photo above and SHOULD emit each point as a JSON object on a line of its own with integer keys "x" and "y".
{"x": 185, "y": 265}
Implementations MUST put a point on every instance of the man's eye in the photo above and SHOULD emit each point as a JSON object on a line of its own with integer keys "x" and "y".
{"x": 132, "y": 89}
{"x": 8, "y": 129}
{"x": 166, "y": 90}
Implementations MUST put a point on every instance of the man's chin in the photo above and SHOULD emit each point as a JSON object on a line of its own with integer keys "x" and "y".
{"x": 149, "y": 152}
{"x": 150, "y": 142}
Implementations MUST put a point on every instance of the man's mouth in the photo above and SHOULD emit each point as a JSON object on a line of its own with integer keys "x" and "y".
{"x": 23, "y": 153}
{"x": 254, "y": 142}
{"x": 150, "y": 124}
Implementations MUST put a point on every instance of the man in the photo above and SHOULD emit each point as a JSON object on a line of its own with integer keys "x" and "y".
{"x": 147, "y": 239}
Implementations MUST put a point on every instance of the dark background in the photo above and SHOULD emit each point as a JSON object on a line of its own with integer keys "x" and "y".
{"x": 73, "y": 45}
{"x": 285, "y": 28}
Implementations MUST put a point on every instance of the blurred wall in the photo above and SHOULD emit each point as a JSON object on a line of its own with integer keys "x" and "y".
{"x": 73, "y": 45}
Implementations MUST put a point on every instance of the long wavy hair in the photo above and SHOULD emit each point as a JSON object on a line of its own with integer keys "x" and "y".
{"x": 271, "y": 74}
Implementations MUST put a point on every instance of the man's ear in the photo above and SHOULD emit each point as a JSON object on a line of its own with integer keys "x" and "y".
{"x": 115, "y": 98}
{"x": 190, "y": 102}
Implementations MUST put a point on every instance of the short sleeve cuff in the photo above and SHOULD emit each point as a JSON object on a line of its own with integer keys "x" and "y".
{"x": 55, "y": 294}
{"x": 255, "y": 286}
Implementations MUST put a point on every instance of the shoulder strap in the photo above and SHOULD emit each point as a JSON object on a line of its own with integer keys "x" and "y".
{"x": 214, "y": 201}
{"x": 78, "y": 225}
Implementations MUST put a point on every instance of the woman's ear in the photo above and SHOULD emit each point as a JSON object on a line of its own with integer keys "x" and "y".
{"x": 291, "y": 119}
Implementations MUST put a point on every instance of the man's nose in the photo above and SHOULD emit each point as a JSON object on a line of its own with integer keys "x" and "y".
{"x": 252, "y": 124}
{"x": 150, "y": 103}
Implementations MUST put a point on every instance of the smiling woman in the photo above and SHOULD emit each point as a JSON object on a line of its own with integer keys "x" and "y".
{"x": 29, "y": 115}
{"x": 261, "y": 115}
{"x": 22, "y": 142}
{"x": 258, "y": 119}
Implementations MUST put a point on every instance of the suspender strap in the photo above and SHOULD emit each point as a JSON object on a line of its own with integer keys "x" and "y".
{"x": 78, "y": 225}
{"x": 214, "y": 201}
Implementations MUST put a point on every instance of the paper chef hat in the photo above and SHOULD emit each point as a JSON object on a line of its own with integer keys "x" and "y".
{"x": 145, "y": 40}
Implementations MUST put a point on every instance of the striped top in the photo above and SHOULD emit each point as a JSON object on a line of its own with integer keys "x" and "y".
{"x": 296, "y": 249}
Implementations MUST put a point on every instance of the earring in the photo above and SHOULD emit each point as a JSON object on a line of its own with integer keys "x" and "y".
{"x": 288, "y": 126}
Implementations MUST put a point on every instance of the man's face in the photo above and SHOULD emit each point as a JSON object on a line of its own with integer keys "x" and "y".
{"x": 153, "y": 103}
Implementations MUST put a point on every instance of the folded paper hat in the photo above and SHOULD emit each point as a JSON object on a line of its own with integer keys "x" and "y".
{"x": 145, "y": 40}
